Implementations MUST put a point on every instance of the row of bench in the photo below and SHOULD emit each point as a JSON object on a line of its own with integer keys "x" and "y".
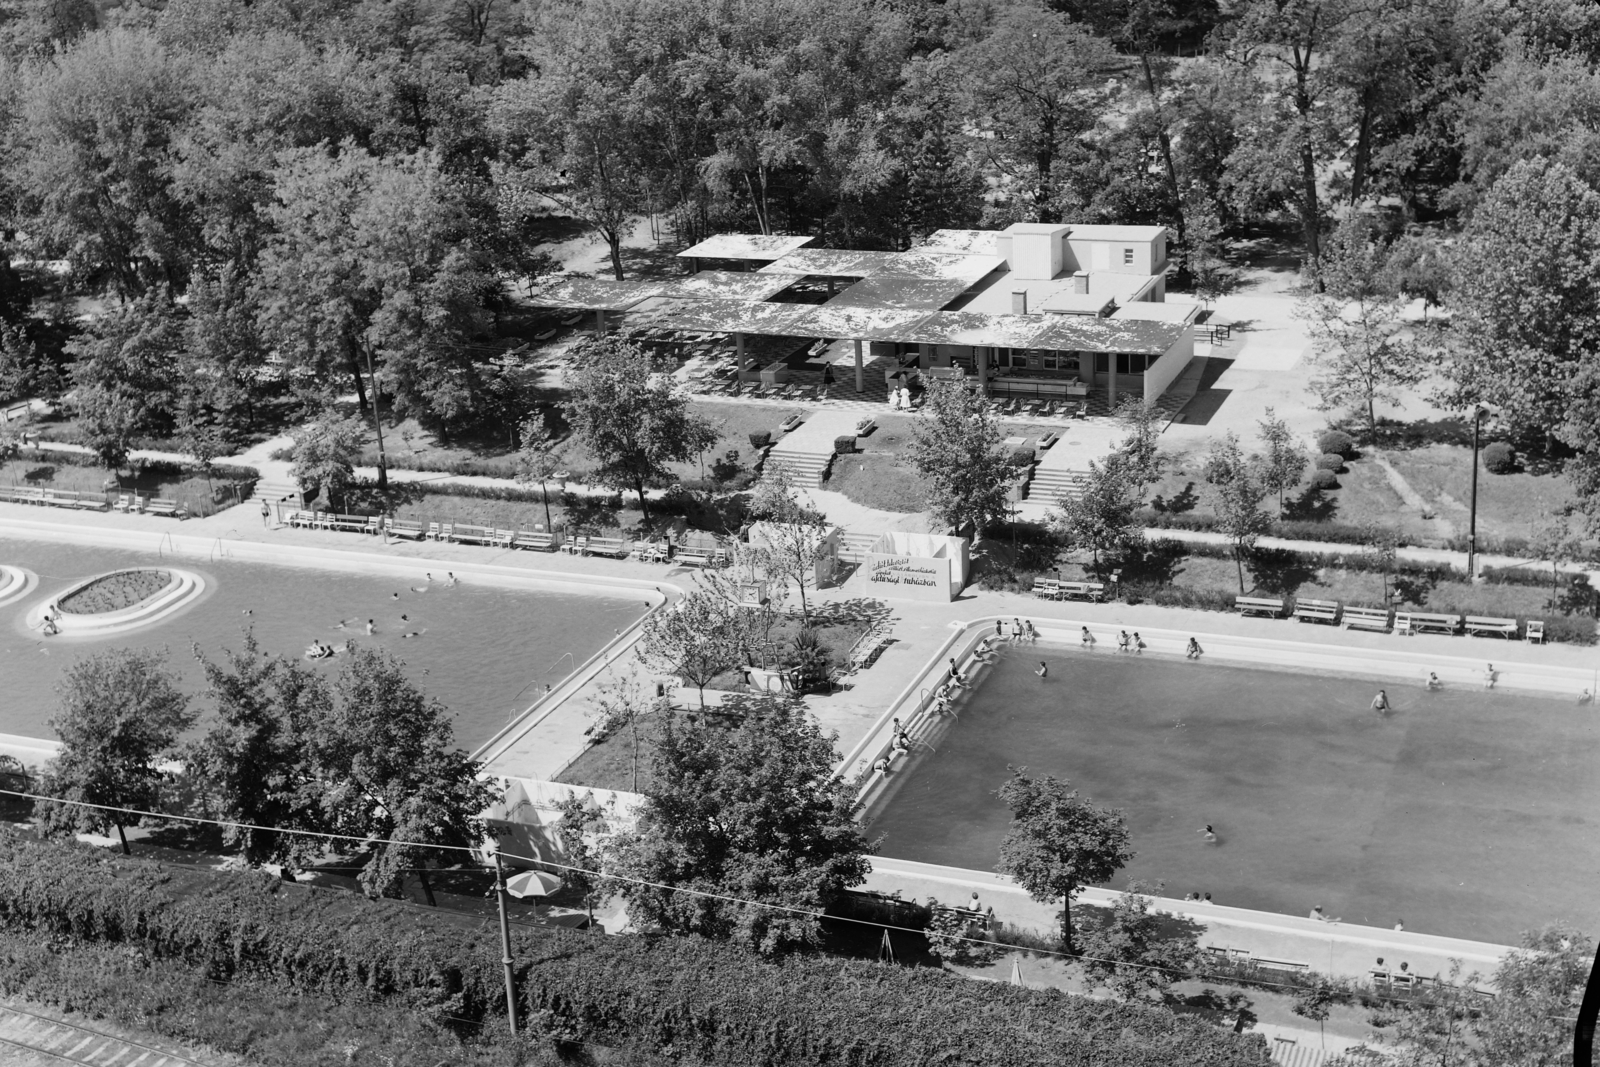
{"x": 693, "y": 552}
{"x": 1333, "y": 612}
{"x": 1055, "y": 589}
{"x": 60, "y": 498}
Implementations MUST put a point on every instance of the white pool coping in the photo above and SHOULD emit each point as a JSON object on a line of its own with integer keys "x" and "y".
{"x": 16, "y": 583}
{"x": 183, "y": 589}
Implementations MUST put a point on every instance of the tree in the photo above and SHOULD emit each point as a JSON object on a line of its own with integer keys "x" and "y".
{"x": 1035, "y": 80}
{"x": 1363, "y": 353}
{"x": 752, "y": 813}
{"x": 621, "y": 704}
{"x": 386, "y": 768}
{"x": 1555, "y": 542}
{"x": 121, "y": 712}
{"x": 957, "y": 447}
{"x": 1134, "y": 955}
{"x": 1283, "y": 460}
{"x": 1538, "y": 988}
{"x": 252, "y": 759}
{"x": 1138, "y": 454}
{"x": 1104, "y": 515}
{"x": 539, "y": 458}
{"x": 579, "y": 831}
{"x": 627, "y": 412}
{"x": 127, "y": 375}
{"x": 791, "y": 535}
{"x": 1313, "y": 1002}
{"x": 325, "y": 452}
{"x": 1059, "y": 842}
{"x": 1237, "y": 492}
{"x": 696, "y": 639}
{"x": 1381, "y": 548}
{"x": 1539, "y": 308}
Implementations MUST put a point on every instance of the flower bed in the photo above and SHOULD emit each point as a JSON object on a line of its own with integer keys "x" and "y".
{"x": 113, "y": 592}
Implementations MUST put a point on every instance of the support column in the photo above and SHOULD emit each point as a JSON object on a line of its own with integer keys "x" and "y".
{"x": 983, "y": 371}
{"x": 860, "y": 372}
{"x": 599, "y": 323}
{"x": 1111, "y": 379}
{"x": 923, "y": 358}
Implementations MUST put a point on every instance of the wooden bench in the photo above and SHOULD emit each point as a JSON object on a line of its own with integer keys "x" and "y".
{"x": 1093, "y": 591}
{"x": 1486, "y": 625}
{"x": 615, "y": 547}
{"x": 653, "y": 551}
{"x": 1046, "y": 588}
{"x": 407, "y": 528}
{"x": 165, "y": 507}
{"x": 1308, "y": 610}
{"x": 1267, "y": 963}
{"x": 1366, "y": 618}
{"x": 471, "y": 535}
{"x": 1257, "y": 605}
{"x": 346, "y": 523}
{"x": 1421, "y": 622}
{"x": 577, "y": 545}
{"x": 537, "y": 540}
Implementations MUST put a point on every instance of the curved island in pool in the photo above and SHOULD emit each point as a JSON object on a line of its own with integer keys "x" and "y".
{"x": 116, "y": 602}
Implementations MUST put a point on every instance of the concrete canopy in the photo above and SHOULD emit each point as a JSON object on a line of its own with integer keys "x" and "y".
{"x": 860, "y": 323}
{"x": 745, "y": 246}
{"x": 1084, "y": 333}
{"x": 725, "y": 316}
{"x": 829, "y": 263}
{"x": 596, "y": 294}
{"x": 960, "y": 242}
{"x": 971, "y": 328}
{"x": 921, "y": 263}
{"x": 1162, "y": 312}
{"x": 732, "y": 285}
{"x": 900, "y": 292}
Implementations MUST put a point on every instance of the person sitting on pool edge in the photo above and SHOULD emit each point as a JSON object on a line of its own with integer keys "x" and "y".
{"x": 1489, "y": 676}
{"x": 1088, "y": 638}
{"x": 1433, "y": 681}
{"x": 1193, "y": 651}
{"x": 956, "y": 678}
{"x": 1317, "y": 914}
{"x": 1124, "y": 642}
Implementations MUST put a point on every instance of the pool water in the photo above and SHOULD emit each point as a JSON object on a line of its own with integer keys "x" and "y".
{"x": 1466, "y": 813}
{"x": 485, "y": 653}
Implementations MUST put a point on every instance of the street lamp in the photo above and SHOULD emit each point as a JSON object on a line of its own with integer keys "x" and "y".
{"x": 1472, "y": 527}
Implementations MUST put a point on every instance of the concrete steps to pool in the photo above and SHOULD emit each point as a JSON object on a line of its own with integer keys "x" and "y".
{"x": 1049, "y": 485}
{"x": 853, "y": 547}
{"x": 278, "y": 491}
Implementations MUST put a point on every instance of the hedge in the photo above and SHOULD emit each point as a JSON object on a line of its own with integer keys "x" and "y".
{"x": 697, "y": 998}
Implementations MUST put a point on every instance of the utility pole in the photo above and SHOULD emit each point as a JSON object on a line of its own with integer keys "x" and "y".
{"x": 1472, "y": 527}
{"x": 505, "y": 944}
{"x": 377, "y": 424}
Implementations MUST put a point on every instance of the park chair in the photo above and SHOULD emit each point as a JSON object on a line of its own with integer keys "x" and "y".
{"x": 1535, "y": 631}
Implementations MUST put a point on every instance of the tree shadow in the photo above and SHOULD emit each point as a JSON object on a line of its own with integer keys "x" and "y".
{"x": 1232, "y": 1010}
{"x": 874, "y": 612}
{"x": 1419, "y": 433}
{"x": 1182, "y": 501}
{"x": 1279, "y": 571}
{"x": 37, "y": 475}
{"x": 1312, "y": 505}
{"x": 1414, "y": 588}
{"x": 655, "y": 262}
{"x": 1158, "y": 564}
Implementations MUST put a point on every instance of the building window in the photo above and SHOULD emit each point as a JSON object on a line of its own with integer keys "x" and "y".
{"x": 1127, "y": 257}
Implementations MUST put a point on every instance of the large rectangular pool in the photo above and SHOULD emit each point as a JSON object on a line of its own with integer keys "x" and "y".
{"x": 1466, "y": 813}
{"x": 485, "y": 652}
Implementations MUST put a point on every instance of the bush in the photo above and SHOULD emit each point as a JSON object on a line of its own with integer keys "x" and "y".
{"x": 1021, "y": 457}
{"x": 707, "y": 1002}
{"x": 844, "y": 445}
{"x": 1337, "y": 441}
{"x": 1330, "y": 461}
{"x": 1324, "y": 479}
{"x": 1500, "y": 458}
{"x": 760, "y": 439}
{"x": 1178, "y": 596}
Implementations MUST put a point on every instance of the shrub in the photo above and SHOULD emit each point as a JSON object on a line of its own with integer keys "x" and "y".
{"x": 1569, "y": 629}
{"x": 1337, "y": 441}
{"x": 760, "y": 439}
{"x": 1021, "y": 457}
{"x": 1499, "y": 458}
{"x": 707, "y": 1002}
{"x": 1324, "y": 479}
{"x": 1330, "y": 461}
{"x": 845, "y": 444}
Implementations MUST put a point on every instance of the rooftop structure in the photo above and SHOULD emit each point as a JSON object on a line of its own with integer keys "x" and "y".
{"x": 751, "y": 247}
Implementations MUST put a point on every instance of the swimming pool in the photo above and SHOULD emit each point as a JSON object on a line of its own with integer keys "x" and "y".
{"x": 1464, "y": 812}
{"x": 485, "y": 652}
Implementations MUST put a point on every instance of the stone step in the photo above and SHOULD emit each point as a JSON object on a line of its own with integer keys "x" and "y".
{"x": 278, "y": 492}
{"x": 805, "y": 469}
{"x": 1050, "y": 485}
{"x": 853, "y": 547}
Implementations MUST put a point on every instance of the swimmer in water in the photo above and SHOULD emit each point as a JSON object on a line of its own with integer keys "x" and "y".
{"x": 405, "y": 618}
{"x": 1433, "y": 681}
{"x": 1380, "y": 703}
{"x": 1044, "y": 669}
{"x": 1211, "y": 836}
{"x": 394, "y": 596}
{"x": 453, "y": 578}
{"x": 372, "y": 627}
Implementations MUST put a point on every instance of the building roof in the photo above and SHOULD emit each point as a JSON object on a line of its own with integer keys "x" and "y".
{"x": 1067, "y": 302}
{"x": 733, "y": 285}
{"x": 1084, "y": 333}
{"x": 1046, "y": 229}
{"x": 1116, "y": 233}
{"x": 1150, "y": 311}
{"x": 597, "y": 294}
{"x": 829, "y": 263}
{"x": 921, "y": 263}
{"x": 861, "y": 323}
{"x": 973, "y": 328}
{"x": 960, "y": 242}
{"x": 724, "y": 315}
{"x": 994, "y": 298}
{"x": 894, "y": 291}
{"x": 751, "y": 246}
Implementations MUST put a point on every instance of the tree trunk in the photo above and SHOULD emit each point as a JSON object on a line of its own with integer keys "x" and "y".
{"x": 544, "y": 492}
{"x": 644, "y": 504}
{"x": 633, "y": 725}
{"x": 361, "y": 388}
{"x": 1166, "y": 154}
{"x": 614, "y": 242}
{"x": 1363, "y": 154}
{"x": 1238, "y": 561}
{"x": 427, "y": 890}
{"x": 126, "y": 851}
{"x": 1066, "y": 922}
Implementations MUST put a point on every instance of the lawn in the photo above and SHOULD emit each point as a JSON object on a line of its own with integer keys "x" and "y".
{"x": 198, "y": 497}
{"x": 879, "y": 480}
{"x": 1509, "y": 505}
{"x": 516, "y": 514}
{"x": 609, "y": 764}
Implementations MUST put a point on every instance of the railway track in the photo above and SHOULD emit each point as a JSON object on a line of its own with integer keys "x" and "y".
{"x": 54, "y": 1042}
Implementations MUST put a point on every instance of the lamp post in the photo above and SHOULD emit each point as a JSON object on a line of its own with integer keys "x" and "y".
{"x": 1588, "y": 1010}
{"x": 1472, "y": 527}
{"x": 505, "y": 943}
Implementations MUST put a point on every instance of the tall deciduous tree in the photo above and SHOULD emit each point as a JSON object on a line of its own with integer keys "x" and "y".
{"x": 1103, "y": 516}
{"x": 1137, "y": 954}
{"x": 1237, "y": 492}
{"x": 1059, "y": 842}
{"x": 1283, "y": 459}
{"x": 325, "y": 452}
{"x": 121, "y": 712}
{"x": 540, "y": 457}
{"x": 696, "y": 639}
{"x": 958, "y": 449}
{"x": 631, "y": 417}
{"x": 790, "y": 542}
{"x": 387, "y": 769}
{"x": 1528, "y": 330}
{"x": 127, "y": 375}
{"x": 754, "y": 814}
{"x": 252, "y": 758}
{"x": 1364, "y": 355}
{"x": 1538, "y": 988}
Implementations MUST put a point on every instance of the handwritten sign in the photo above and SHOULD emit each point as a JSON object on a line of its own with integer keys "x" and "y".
{"x": 906, "y": 570}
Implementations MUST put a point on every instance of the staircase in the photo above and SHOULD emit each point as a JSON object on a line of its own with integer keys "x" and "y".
{"x": 278, "y": 491}
{"x": 805, "y": 469}
{"x": 853, "y": 547}
{"x": 1050, "y": 485}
